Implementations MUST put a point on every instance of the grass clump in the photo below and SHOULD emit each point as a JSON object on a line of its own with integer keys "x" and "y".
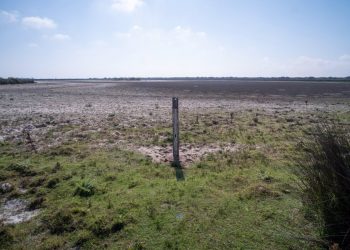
{"x": 325, "y": 177}
{"x": 101, "y": 227}
{"x": 85, "y": 189}
{"x": 83, "y": 236}
{"x": 60, "y": 222}
{"x": 104, "y": 226}
{"x": 21, "y": 169}
{"x": 36, "y": 203}
{"x": 52, "y": 242}
{"x": 53, "y": 182}
{"x": 6, "y": 237}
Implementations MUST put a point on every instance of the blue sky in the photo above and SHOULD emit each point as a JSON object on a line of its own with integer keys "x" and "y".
{"x": 145, "y": 38}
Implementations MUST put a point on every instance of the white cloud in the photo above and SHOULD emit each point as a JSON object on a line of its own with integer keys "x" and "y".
{"x": 10, "y": 17}
{"x": 180, "y": 50}
{"x": 61, "y": 37}
{"x": 178, "y": 35}
{"x": 136, "y": 27}
{"x": 126, "y": 5}
{"x": 38, "y": 22}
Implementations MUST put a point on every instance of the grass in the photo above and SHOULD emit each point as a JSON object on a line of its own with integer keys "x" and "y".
{"x": 219, "y": 205}
{"x": 325, "y": 178}
{"x": 117, "y": 199}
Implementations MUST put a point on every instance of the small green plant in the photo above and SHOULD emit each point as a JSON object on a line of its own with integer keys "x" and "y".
{"x": 85, "y": 189}
{"x": 57, "y": 167}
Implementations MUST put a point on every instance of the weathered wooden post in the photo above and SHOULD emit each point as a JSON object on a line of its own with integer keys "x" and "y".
{"x": 176, "y": 139}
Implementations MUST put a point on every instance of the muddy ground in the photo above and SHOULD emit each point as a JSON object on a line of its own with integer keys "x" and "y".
{"x": 116, "y": 113}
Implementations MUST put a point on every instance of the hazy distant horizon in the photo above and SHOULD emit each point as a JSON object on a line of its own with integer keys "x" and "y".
{"x": 347, "y": 78}
{"x": 282, "y": 78}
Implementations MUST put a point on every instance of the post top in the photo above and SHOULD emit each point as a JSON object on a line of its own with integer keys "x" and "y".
{"x": 175, "y": 102}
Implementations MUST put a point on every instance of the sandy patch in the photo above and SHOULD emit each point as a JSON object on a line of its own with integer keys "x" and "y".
{"x": 189, "y": 153}
{"x": 15, "y": 211}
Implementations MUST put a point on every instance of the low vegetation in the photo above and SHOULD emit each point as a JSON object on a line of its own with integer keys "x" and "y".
{"x": 89, "y": 187}
{"x": 325, "y": 176}
{"x": 119, "y": 199}
{"x": 12, "y": 80}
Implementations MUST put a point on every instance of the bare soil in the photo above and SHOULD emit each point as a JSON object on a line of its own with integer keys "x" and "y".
{"x": 104, "y": 112}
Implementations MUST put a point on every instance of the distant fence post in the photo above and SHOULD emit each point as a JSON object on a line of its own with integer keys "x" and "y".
{"x": 176, "y": 139}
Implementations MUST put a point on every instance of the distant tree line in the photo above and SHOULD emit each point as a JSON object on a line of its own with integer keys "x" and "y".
{"x": 345, "y": 79}
{"x": 13, "y": 80}
{"x": 311, "y": 78}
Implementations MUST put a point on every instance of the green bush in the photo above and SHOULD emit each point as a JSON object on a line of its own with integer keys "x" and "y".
{"x": 325, "y": 179}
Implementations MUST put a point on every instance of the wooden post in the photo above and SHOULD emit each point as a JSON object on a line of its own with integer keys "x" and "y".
{"x": 176, "y": 140}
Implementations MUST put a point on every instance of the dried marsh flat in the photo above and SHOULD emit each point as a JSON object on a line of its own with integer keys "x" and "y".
{"x": 91, "y": 159}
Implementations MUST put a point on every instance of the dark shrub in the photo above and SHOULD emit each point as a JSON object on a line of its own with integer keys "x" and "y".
{"x": 117, "y": 226}
{"x": 36, "y": 204}
{"x": 325, "y": 178}
{"x": 53, "y": 182}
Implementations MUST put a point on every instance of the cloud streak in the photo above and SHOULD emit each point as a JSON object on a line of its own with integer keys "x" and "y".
{"x": 35, "y": 22}
{"x": 10, "y": 17}
{"x": 126, "y": 5}
{"x": 61, "y": 37}
{"x": 178, "y": 35}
